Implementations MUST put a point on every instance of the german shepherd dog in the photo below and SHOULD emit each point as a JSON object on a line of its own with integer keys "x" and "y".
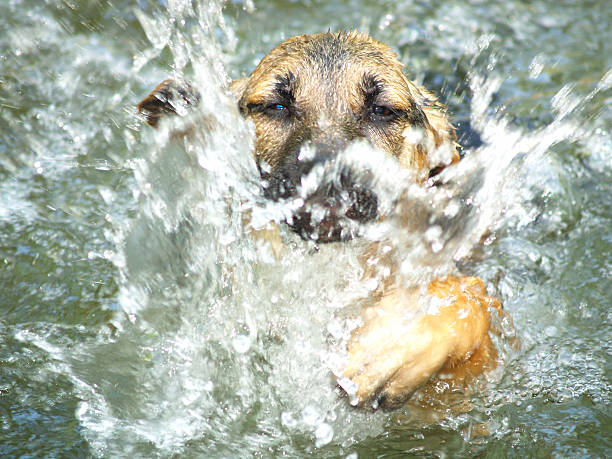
{"x": 319, "y": 93}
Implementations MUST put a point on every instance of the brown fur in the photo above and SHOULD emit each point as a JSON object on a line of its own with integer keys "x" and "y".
{"x": 326, "y": 74}
{"x": 393, "y": 354}
{"x": 325, "y": 91}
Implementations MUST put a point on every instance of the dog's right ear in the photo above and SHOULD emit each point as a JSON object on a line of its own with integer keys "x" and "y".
{"x": 171, "y": 97}
{"x": 238, "y": 88}
{"x": 168, "y": 98}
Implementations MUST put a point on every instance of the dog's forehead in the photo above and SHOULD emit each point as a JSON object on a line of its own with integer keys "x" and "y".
{"x": 332, "y": 63}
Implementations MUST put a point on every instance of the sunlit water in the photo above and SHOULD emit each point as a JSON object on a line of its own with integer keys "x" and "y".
{"x": 140, "y": 316}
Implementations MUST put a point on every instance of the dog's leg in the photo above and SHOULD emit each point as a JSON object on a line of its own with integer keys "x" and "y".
{"x": 395, "y": 350}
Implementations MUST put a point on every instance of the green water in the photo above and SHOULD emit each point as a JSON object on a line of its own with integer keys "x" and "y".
{"x": 120, "y": 327}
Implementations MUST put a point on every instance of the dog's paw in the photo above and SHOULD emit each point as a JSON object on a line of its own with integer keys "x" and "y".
{"x": 391, "y": 354}
{"x": 398, "y": 348}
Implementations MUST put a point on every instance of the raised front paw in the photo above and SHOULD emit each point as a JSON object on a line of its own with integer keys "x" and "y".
{"x": 391, "y": 354}
{"x": 408, "y": 338}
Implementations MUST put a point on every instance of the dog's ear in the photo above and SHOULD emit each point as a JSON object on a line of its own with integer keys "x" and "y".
{"x": 438, "y": 145}
{"x": 238, "y": 88}
{"x": 168, "y": 98}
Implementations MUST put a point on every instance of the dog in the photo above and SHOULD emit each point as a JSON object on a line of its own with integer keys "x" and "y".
{"x": 319, "y": 94}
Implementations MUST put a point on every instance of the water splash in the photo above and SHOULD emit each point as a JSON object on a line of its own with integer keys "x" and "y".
{"x": 225, "y": 337}
{"x": 223, "y": 349}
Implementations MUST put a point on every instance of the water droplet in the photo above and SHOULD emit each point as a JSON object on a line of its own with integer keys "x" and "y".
{"x": 310, "y": 415}
{"x": 371, "y": 284}
{"x": 335, "y": 329}
{"x": 241, "y": 343}
{"x": 82, "y": 409}
{"x": 323, "y": 434}
{"x": 550, "y": 331}
{"x": 288, "y": 420}
{"x": 536, "y": 66}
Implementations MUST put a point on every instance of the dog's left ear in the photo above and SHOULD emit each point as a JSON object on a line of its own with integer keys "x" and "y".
{"x": 439, "y": 142}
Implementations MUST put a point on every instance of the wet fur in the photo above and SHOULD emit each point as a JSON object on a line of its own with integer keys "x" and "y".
{"x": 340, "y": 76}
{"x": 325, "y": 91}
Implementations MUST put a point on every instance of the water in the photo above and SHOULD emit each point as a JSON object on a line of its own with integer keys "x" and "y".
{"x": 139, "y": 318}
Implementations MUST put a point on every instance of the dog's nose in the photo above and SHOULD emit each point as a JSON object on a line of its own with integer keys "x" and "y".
{"x": 319, "y": 152}
{"x": 328, "y": 148}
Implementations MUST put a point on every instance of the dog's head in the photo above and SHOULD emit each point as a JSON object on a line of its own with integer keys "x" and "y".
{"x": 310, "y": 98}
{"x": 315, "y": 94}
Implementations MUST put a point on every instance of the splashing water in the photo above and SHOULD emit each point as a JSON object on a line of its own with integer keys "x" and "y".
{"x": 220, "y": 346}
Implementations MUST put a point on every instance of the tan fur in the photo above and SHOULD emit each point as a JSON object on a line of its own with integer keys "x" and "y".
{"x": 397, "y": 350}
{"x": 327, "y": 87}
{"x": 298, "y": 56}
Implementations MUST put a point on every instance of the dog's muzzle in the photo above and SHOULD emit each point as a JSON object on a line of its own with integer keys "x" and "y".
{"x": 334, "y": 207}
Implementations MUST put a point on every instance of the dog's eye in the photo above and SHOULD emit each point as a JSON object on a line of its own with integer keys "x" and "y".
{"x": 276, "y": 110}
{"x": 382, "y": 113}
{"x": 381, "y": 110}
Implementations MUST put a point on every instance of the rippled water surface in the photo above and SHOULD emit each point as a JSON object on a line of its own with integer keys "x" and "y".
{"x": 140, "y": 319}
